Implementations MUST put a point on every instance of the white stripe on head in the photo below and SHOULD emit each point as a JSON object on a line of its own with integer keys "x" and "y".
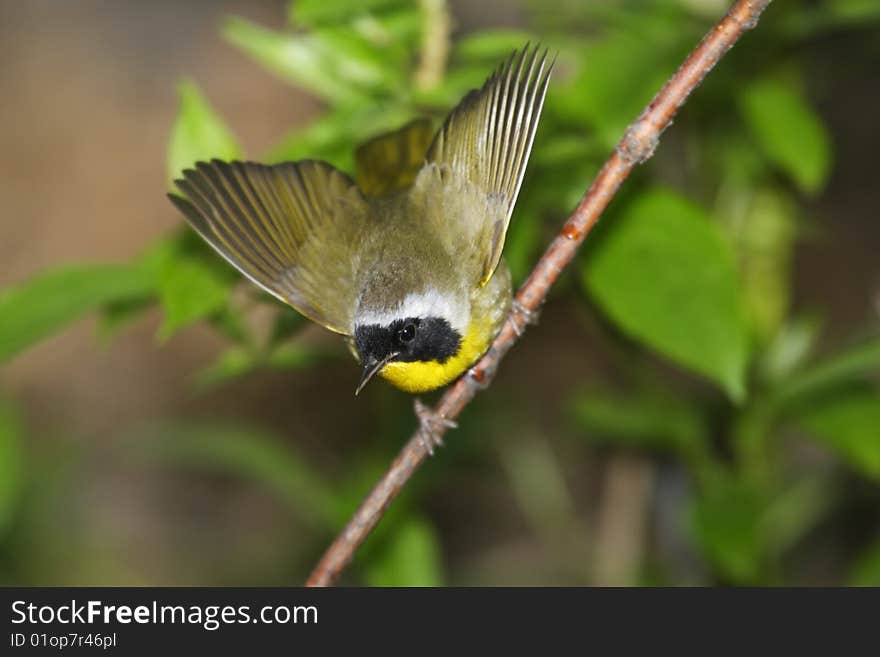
{"x": 431, "y": 303}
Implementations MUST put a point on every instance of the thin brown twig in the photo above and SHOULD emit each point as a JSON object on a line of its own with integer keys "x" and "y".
{"x": 636, "y": 146}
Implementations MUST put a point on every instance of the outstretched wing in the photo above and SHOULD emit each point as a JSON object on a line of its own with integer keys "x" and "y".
{"x": 390, "y": 162}
{"x": 293, "y": 229}
{"x": 483, "y": 147}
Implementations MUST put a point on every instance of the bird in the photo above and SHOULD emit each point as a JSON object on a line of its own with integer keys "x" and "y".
{"x": 405, "y": 260}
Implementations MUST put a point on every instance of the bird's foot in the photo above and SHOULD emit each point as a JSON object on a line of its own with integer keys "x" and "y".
{"x": 522, "y": 317}
{"x": 432, "y": 426}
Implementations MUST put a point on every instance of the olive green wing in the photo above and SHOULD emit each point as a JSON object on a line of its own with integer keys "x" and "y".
{"x": 390, "y": 162}
{"x": 481, "y": 151}
{"x": 294, "y": 229}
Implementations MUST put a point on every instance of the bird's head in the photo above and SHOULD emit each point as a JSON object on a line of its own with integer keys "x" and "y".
{"x": 423, "y": 329}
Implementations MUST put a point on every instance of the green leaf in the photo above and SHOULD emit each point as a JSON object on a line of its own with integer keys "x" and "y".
{"x": 789, "y": 132}
{"x": 236, "y": 362}
{"x": 328, "y": 138}
{"x": 11, "y": 463}
{"x": 736, "y": 163}
{"x": 288, "y": 322}
{"x": 334, "y": 136}
{"x": 253, "y": 454}
{"x": 411, "y": 559}
{"x": 820, "y": 379}
{"x": 399, "y": 32}
{"x": 455, "y": 84}
{"x": 866, "y": 571}
{"x": 765, "y": 236}
{"x": 493, "y": 45}
{"x": 231, "y": 322}
{"x": 854, "y": 11}
{"x": 320, "y": 12}
{"x": 188, "y": 291}
{"x": 796, "y": 510}
{"x": 198, "y": 133}
{"x": 789, "y": 348}
{"x": 47, "y": 303}
{"x": 829, "y": 16}
{"x": 538, "y": 483}
{"x": 665, "y": 276}
{"x": 727, "y": 521}
{"x": 650, "y": 421}
{"x": 117, "y": 315}
{"x": 298, "y": 356}
{"x": 849, "y": 424}
{"x": 521, "y": 245}
{"x": 613, "y": 79}
{"x": 232, "y": 363}
{"x": 336, "y": 65}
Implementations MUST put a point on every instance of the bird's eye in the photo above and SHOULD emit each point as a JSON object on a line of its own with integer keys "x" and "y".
{"x": 407, "y": 333}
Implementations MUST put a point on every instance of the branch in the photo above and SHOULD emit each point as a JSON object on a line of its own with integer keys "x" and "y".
{"x": 636, "y": 146}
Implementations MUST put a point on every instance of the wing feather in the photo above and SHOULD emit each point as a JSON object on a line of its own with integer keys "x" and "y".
{"x": 484, "y": 146}
{"x": 294, "y": 229}
{"x": 390, "y": 162}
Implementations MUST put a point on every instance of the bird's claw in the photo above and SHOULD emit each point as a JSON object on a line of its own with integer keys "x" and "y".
{"x": 432, "y": 426}
{"x": 522, "y": 317}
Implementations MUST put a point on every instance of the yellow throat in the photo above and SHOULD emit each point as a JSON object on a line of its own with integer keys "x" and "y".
{"x": 422, "y": 376}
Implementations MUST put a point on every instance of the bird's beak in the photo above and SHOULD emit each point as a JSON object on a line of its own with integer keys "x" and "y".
{"x": 371, "y": 366}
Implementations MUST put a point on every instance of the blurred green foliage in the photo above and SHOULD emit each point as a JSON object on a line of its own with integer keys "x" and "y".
{"x": 691, "y": 268}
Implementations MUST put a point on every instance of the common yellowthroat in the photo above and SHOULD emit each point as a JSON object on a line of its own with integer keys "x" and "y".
{"x": 406, "y": 261}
